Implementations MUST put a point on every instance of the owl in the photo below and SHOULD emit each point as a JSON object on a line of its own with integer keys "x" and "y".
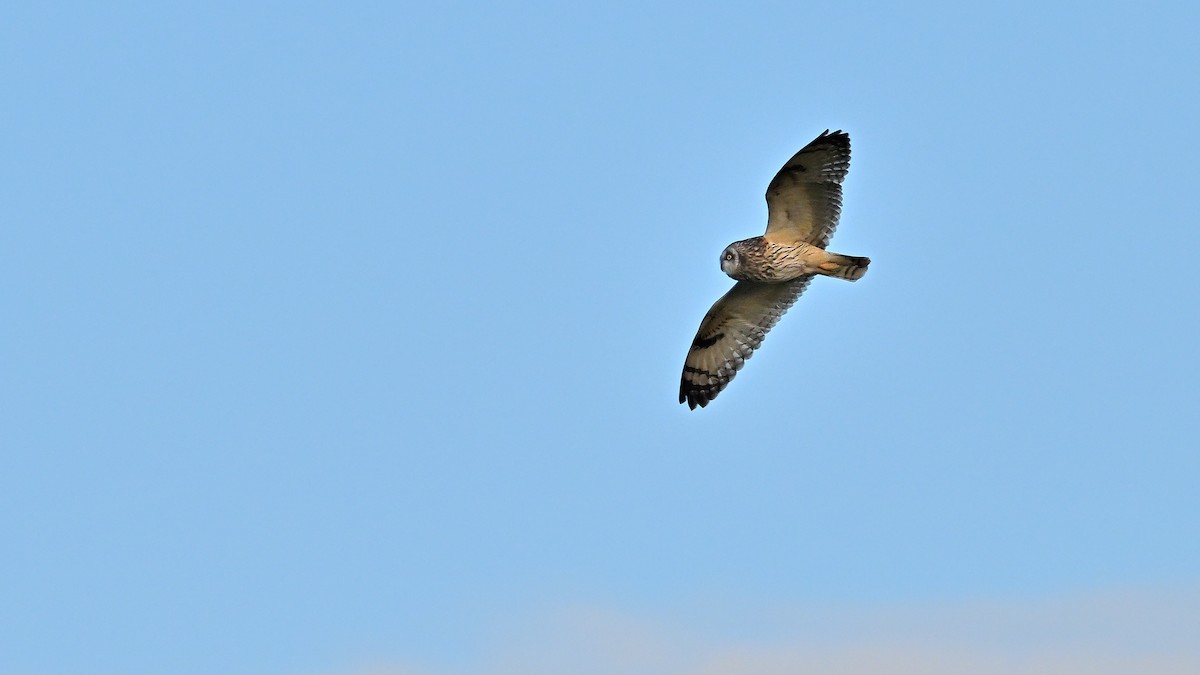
{"x": 804, "y": 201}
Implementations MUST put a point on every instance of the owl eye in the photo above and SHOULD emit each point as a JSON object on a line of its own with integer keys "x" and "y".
{"x": 729, "y": 255}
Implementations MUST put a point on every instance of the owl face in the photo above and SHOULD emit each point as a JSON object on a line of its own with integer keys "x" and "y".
{"x": 731, "y": 261}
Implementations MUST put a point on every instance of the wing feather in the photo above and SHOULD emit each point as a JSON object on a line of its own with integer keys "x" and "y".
{"x": 804, "y": 200}
{"x": 731, "y": 331}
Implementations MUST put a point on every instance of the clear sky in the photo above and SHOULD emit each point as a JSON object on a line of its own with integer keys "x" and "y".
{"x": 346, "y": 337}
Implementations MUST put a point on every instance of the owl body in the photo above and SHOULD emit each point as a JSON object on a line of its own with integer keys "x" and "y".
{"x": 757, "y": 259}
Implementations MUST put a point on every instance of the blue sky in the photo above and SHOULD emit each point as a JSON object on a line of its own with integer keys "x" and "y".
{"x": 347, "y": 336}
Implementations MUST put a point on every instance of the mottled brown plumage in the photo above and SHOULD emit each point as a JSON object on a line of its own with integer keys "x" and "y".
{"x": 804, "y": 202}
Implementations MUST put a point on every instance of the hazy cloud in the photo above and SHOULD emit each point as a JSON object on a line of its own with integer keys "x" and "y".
{"x": 1115, "y": 632}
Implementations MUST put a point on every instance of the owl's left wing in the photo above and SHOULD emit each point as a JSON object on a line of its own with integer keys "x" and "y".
{"x": 804, "y": 200}
{"x": 729, "y": 334}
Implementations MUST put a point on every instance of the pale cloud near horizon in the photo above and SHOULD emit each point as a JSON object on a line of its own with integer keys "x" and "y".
{"x": 1094, "y": 633}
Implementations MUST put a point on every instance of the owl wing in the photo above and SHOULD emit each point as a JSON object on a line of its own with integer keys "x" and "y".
{"x": 804, "y": 200}
{"x": 729, "y": 334}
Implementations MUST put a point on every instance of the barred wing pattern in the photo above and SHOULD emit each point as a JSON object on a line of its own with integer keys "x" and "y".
{"x": 729, "y": 334}
{"x": 804, "y": 200}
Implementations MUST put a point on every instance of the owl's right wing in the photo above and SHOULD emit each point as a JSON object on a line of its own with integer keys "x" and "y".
{"x": 729, "y": 334}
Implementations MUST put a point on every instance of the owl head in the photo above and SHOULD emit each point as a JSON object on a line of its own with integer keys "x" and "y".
{"x": 737, "y": 258}
{"x": 731, "y": 260}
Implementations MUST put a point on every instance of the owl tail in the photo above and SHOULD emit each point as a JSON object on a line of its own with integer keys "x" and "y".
{"x": 847, "y": 267}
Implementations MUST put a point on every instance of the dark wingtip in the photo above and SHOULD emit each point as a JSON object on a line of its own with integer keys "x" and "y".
{"x": 692, "y": 398}
{"x": 838, "y": 136}
{"x": 685, "y": 396}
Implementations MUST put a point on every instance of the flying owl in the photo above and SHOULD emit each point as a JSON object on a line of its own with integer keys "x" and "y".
{"x": 804, "y": 201}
